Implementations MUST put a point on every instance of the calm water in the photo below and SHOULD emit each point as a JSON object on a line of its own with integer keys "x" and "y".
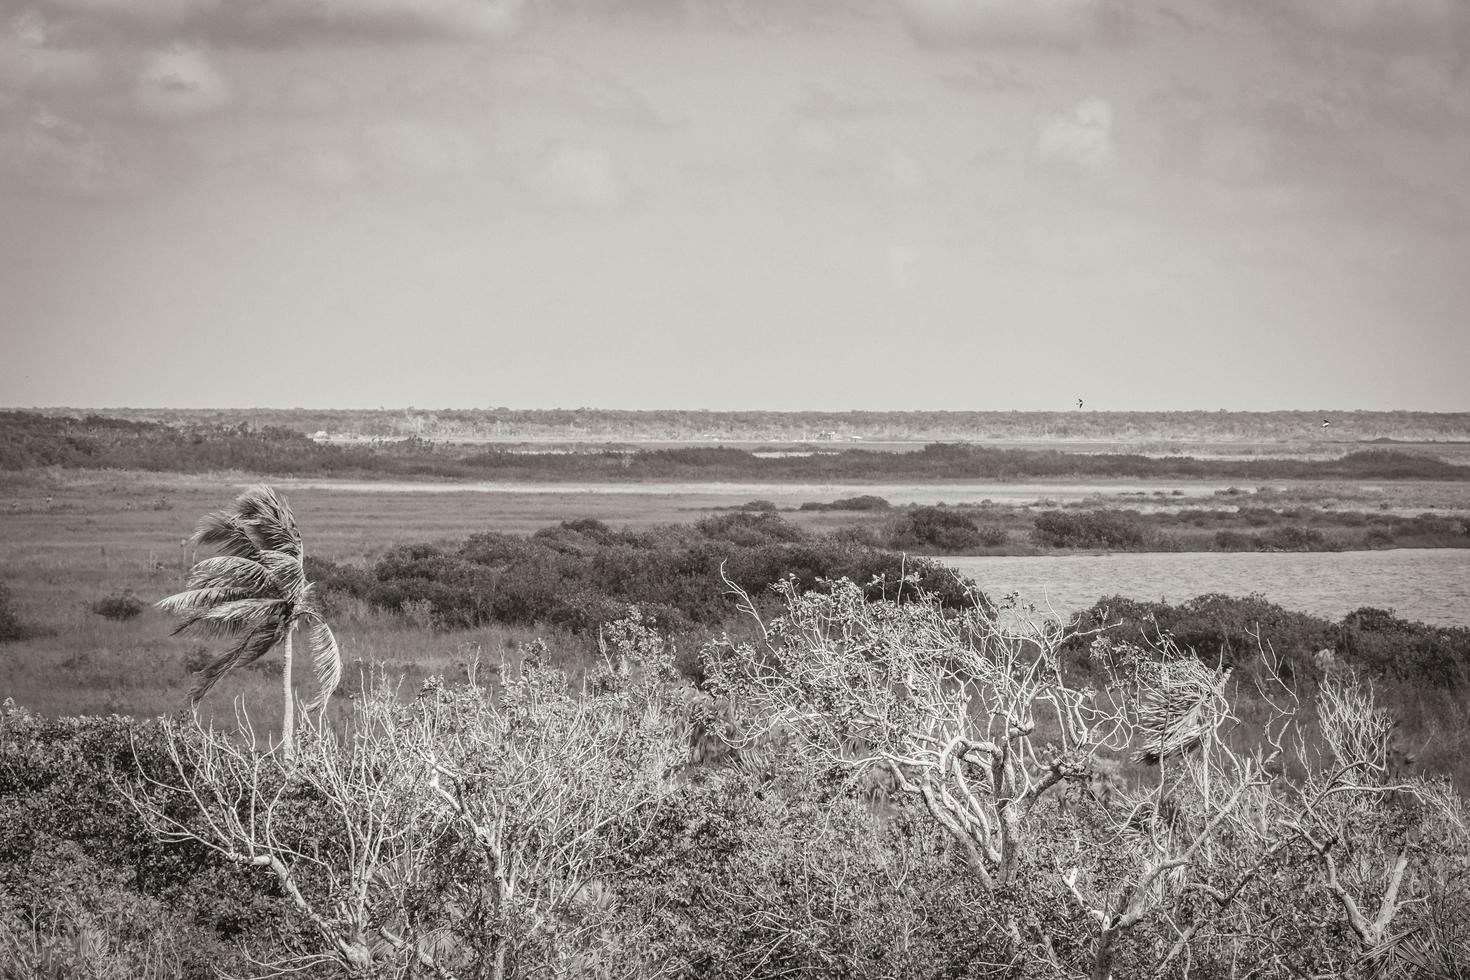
{"x": 1428, "y": 585}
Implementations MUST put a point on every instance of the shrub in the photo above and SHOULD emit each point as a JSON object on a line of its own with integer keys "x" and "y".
{"x": 10, "y": 624}
{"x": 1236, "y": 541}
{"x": 937, "y": 528}
{"x": 121, "y": 607}
{"x": 993, "y": 535}
{"x": 1111, "y": 529}
{"x": 1292, "y": 537}
{"x": 579, "y": 574}
{"x": 750, "y": 529}
{"x": 864, "y": 502}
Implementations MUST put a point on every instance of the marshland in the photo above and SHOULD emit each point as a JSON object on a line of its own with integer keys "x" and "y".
{"x": 1048, "y": 725}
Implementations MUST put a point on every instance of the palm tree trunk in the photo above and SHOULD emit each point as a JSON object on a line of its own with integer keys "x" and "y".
{"x": 288, "y": 714}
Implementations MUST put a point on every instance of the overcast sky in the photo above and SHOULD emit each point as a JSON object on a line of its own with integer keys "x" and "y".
{"x": 781, "y": 204}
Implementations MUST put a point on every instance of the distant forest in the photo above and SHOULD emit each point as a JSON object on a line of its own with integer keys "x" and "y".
{"x": 601, "y": 425}
{"x": 30, "y": 440}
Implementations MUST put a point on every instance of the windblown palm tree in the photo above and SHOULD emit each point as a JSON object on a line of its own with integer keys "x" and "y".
{"x": 255, "y": 590}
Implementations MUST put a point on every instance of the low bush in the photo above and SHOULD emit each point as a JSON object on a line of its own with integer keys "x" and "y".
{"x": 1233, "y": 630}
{"x": 121, "y": 607}
{"x": 940, "y": 529}
{"x": 865, "y": 501}
{"x": 1110, "y": 529}
{"x": 11, "y": 627}
{"x": 1292, "y": 537}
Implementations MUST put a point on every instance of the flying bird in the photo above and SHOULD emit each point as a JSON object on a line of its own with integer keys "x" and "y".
{"x": 1326, "y": 423}
{"x": 1079, "y": 403}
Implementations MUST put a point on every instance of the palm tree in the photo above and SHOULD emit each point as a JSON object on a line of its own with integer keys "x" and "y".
{"x": 255, "y": 590}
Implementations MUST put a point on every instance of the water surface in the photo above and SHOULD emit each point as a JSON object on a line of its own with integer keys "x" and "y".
{"x": 1428, "y": 585}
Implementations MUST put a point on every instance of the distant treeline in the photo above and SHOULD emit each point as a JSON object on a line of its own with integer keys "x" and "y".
{"x": 605, "y": 424}
{"x": 30, "y": 440}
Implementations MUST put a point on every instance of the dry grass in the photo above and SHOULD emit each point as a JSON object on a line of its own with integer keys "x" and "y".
{"x": 121, "y": 533}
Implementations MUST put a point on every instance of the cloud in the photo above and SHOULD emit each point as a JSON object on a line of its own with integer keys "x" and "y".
{"x": 985, "y": 77}
{"x": 180, "y": 83}
{"x": 420, "y": 150}
{"x": 1013, "y": 23}
{"x": 819, "y": 101}
{"x": 49, "y": 152}
{"x": 276, "y": 23}
{"x": 579, "y": 176}
{"x": 1081, "y": 138}
{"x": 31, "y": 61}
{"x": 1379, "y": 25}
{"x": 562, "y": 87}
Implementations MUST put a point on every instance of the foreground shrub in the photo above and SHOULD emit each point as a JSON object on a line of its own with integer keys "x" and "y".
{"x": 1178, "y": 873}
{"x": 465, "y": 833}
{"x": 85, "y": 888}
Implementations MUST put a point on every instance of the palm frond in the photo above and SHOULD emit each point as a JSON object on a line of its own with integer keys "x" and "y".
{"x": 1180, "y": 709}
{"x": 192, "y": 604}
{"x": 269, "y": 520}
{"x": 231, "y": 571}
{"x": 285, "y": 570}
{"x": 326, "y": 662}
{"x": 238, "y": 616}
{"x": 255, "y": 645}
{"x": 223, "y": 531}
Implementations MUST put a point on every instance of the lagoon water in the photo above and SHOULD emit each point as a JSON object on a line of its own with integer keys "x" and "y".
{"x": 1428, "y": 585}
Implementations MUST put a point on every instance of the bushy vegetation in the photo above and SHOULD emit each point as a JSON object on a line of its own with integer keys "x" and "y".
{"x": 941, "y": 530}
{"x": 901, "y": 791}
{"x": 1111, "y": 530}
{"x": 1233, "y": 630}
{"x": 865, "y": 501}
{"x": 85, "y": 889}
{"x": 11, "y": 627}
{"x": 582, "y": 573}
{"x": 120, "y": 607}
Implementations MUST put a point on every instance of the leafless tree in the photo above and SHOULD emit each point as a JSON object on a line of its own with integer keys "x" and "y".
{"x": 461, "y": 834}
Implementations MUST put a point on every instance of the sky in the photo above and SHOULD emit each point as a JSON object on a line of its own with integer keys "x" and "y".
{"x": 735, "y": 204}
